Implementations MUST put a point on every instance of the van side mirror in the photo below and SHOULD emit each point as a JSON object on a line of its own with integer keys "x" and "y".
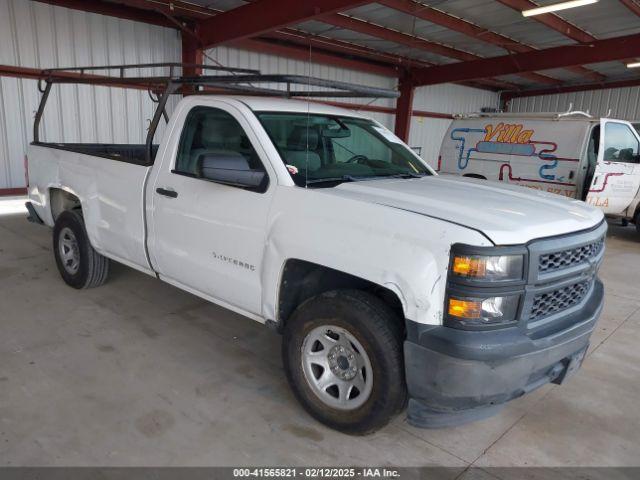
{"x": 229, "y": 168}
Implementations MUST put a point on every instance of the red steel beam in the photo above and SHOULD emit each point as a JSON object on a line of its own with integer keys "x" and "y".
{"x": 552, "y": 21}
{"x": 404, "y": 109}
{"x": 356, "y": 25}
{"x": 265, "y": 16}
{"x": 113, "y": 10}
{"x": 632, "y": 5}
{"x": 506, "y": 96}
{"x": 609, "y": 49}
{"x": 472, "y": 30}
{"x": 12, "y": 191}
{"x": 192, "y": 54}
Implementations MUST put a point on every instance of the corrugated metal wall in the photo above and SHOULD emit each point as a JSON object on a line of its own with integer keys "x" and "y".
{"x": 232, "y": 57}
{"x": 624, "y": 103}
{"x": 34, "y": 34}
{"x": 427, "y": 133}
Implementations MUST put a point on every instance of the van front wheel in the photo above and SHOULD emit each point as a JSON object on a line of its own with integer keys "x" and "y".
{"x": 342, "y": 353}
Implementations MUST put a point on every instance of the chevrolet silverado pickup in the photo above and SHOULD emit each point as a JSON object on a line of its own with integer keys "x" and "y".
{"x": 392, "y": 287}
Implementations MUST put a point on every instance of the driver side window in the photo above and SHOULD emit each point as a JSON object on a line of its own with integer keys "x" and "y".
{"x": 212, "y": 133}
{"x": 620, "y": 144}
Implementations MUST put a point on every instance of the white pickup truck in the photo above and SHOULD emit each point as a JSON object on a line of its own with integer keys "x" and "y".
{"x": 389, "y": 283}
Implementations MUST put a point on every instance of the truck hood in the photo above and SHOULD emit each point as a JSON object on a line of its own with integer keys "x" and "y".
{"x": 506, "y": 214}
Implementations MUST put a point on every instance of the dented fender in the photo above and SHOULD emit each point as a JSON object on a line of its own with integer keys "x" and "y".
{"x": 403, "y": 251}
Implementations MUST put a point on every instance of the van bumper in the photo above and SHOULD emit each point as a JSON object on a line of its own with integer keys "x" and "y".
{"x": 456, "y": 376}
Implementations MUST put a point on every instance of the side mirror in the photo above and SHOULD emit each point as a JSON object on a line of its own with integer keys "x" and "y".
{"x": 229, "y": 168}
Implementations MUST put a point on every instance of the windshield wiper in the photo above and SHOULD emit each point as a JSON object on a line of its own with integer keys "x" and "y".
{"x": 401, "y": 175}
{"x": 344, "y": 178}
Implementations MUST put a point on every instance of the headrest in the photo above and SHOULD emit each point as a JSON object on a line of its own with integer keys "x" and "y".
{"x": 301, "y": 137}
{"x": 218, "y": 131}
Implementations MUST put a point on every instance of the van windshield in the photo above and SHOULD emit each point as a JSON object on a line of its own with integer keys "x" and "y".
{"x": 322, "y": 150}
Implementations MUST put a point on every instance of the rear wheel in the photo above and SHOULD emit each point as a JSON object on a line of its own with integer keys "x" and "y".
{"x": 342, "y": 353}
{"x": 78, "y": 263}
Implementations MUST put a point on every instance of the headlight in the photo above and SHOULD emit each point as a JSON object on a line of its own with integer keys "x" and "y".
{"x": 494, "y": 268}
{"x": 463, "y": 311}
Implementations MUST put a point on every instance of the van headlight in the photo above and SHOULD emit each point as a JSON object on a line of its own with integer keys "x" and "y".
{"x": 488, "y": 268}
{"x": 478, "y": 311}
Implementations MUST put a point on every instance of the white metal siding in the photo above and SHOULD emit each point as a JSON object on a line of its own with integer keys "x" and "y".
{"x": 37, "y": 35}
{"x": 427, "y": 133}
{"x": 268, "y": 64}
{"x": 623, "y": 103}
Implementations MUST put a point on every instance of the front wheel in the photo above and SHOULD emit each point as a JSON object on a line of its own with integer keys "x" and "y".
{"x": 78, "y": 263}
{"x": 342, "y": 353}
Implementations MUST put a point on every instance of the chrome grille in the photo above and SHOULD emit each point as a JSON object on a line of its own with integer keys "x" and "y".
{"x": 570, "y": 257}
{"x": 548, "y": 303}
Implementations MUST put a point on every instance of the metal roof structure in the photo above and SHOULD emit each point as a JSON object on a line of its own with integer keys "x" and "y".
{"x": 482, "y": 43}
{"x": 404, "y": 36}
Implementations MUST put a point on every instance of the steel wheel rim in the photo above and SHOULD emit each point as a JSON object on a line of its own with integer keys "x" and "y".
{"x": 69, "y": 251}
{"x": 337, "y": 367}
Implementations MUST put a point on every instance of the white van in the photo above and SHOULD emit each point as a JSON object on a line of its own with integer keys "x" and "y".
{"x": 573, "y": 154}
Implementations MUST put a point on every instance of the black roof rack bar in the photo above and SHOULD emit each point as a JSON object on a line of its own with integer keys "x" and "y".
{"x": 239, "y": 80}
{"x": 339, "y": 89}
{"x": 170, "y": 65}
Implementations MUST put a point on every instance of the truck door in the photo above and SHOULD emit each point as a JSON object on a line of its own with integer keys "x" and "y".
{"x": 206, "y": 236}
{"x": 617, "y": 174}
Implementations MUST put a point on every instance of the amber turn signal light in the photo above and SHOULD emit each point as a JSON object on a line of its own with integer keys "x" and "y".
{"x": 469, "y": 266}
{"x": 464, "y": 308}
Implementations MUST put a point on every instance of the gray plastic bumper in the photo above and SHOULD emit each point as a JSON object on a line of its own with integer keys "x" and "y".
{"x": 455, "y": 376}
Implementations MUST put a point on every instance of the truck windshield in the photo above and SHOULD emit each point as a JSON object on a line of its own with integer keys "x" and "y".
{"x": 321, "y": 150}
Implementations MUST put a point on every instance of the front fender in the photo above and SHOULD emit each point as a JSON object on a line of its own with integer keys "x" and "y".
{"x": 406, "y": 252}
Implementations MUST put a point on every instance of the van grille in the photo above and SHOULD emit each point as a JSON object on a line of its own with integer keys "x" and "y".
{"x": 548, "y": 303}
{"x": 570, "y": 257}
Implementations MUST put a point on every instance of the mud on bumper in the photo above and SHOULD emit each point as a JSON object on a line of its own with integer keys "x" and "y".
{"x": 456, "y": 376}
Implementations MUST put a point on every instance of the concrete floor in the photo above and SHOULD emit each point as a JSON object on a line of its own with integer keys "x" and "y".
{"x": 140, "y": 373}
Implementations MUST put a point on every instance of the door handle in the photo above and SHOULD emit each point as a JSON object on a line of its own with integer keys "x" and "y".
{"x": 167, "y": 192}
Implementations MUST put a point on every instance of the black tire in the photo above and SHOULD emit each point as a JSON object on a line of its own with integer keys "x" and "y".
{"x": 378, "y": 330}
{"x": 475, "y": 175}
{"x": 92, "y": 268}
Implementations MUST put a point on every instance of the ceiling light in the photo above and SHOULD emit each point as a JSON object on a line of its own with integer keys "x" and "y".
{"x": 633, "y": 65}
{"x": 557, "y": 6}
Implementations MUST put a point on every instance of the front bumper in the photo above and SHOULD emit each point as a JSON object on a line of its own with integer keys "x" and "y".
{"x": 455, "y": 376}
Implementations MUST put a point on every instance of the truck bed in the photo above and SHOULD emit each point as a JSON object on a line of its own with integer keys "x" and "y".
{"x": 109, "y": 182}
{"x": 130, "y": 153}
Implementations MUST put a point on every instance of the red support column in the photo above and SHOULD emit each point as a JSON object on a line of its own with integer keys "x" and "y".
{"x": 404, "y": 109}
{"x": 192, "y": 54}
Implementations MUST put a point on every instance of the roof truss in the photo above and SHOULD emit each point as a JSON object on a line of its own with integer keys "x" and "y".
{"x": 263, "y": 25}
